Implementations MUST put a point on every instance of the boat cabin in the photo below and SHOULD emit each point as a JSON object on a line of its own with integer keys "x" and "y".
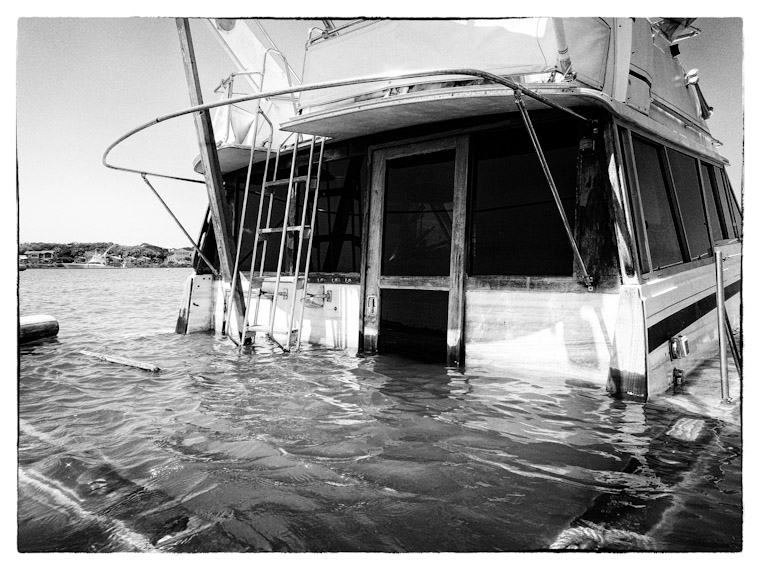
{"x": 535, "y": 197}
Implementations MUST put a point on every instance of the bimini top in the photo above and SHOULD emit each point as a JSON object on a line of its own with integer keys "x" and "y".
{"x": 629, "y": 65}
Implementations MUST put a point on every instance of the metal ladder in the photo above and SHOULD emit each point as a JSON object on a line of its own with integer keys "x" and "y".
{"x": 271, "y": 189}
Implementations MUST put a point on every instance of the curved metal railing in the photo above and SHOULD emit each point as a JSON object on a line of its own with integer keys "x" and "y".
{"x": 497, "y": 79}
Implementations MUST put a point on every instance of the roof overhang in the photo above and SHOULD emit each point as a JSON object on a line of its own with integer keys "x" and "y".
{"x": 412, "y": 109}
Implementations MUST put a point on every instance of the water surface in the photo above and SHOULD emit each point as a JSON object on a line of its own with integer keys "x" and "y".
{"x": 252, "y": 450}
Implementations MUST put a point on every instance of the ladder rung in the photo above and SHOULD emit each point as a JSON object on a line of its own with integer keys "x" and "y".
{"x": 266, "y": 233}
{"x": 290, "y": 279}
{"x": 265, "y": 329}
{"x": 285, "y": 182}
{"x": 278, "y": 230}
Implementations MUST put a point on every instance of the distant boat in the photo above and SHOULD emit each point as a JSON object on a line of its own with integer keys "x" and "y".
{"x": 97, "y": 261}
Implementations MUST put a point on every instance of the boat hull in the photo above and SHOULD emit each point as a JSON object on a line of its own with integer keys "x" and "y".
{"x": 88, "y": 266}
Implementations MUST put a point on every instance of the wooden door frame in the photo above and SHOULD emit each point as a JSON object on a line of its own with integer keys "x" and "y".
{"x": 454, "y": 283}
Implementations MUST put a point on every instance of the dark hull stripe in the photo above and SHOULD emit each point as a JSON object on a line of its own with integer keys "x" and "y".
{"x": 670, "y": 326}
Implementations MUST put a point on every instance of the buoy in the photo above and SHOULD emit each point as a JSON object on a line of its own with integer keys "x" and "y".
{"x": 36, "y": 327}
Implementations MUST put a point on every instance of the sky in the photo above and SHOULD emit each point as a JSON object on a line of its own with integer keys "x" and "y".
{"x": 81, "y": 82}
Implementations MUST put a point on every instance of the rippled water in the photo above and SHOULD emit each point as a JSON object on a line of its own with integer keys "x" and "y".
{"x": 252, "y": 450}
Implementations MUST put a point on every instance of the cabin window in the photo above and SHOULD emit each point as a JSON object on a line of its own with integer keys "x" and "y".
{"x": 516, "y": 228}
{"x": 733, "y": 201}
{"x": 725, "y": 205}
{"x": 337, "y": 235}
{"x": 633, "y": 193}
{"x": 659, "y": 221}
{"x": 235, "y": 185}
{"x": 728, "y": 204}
{"x": 708, "y": 179}
{"x": 686, "y": 182}
{"x": 418, "y": 214}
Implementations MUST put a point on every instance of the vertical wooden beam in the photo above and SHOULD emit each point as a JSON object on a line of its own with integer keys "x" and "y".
{"x": 212, "y": 172}
{"x": 373, "y": 254}
{"x": 455, "y": 329}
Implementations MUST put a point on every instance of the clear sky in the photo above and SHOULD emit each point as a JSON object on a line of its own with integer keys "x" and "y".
{"x": 82, "y": 82}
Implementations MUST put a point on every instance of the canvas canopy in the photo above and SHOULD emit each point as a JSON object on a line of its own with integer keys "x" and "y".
{"x": 515, "y": 46}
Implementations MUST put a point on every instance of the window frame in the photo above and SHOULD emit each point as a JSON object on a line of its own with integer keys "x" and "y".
{"x": 626, "y": 135}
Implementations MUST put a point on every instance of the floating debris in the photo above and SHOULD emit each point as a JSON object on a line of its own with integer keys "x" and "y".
{"x": 122, "y": 360}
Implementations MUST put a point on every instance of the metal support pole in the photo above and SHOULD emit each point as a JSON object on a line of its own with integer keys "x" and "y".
{"x": 236, "y": 266}
{"x": 722, "y": 341}
{"x": 195, "y": 246}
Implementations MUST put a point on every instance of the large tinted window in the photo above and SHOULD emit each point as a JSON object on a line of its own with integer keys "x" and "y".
{"x": 730, "y": 210}
{"x": 724, "y": 204}
{"x": 337, "y": 240}
{"x": 686, "y": 180}
{"x": 708, "y": 179}
{"x": 419, "y": 202}
{"x": 658, "y": 215}
{"x": 516, "y": 228}
{"x": 643, "y": 257}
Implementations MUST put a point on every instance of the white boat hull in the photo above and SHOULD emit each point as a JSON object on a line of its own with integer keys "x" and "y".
{"x": 89, "y": 266}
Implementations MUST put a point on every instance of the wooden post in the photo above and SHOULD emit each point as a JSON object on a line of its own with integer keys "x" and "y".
{"x": 213, "y": 174}
{"x": 455, "y": 330}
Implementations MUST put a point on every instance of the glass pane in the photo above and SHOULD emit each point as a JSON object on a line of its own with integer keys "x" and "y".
{"x": 712, "y": 208}
{"x": 643, "y": 258}
{"x": 728, "y": 216}
{"x": 686, "y": 180}
{"x": 419, "y": 202}
{"x": 658, "y": 216}
{"x": 733, "y": 204}
{"x": 337, "y": 235}
{"x": 517, "y": 229}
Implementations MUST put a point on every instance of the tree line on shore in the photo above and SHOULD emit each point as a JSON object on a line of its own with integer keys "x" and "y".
{"x": 69, "y": 252}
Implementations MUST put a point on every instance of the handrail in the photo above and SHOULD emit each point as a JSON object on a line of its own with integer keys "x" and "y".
{"x": 499, "y": 80}
{"x": 196, "y": 247}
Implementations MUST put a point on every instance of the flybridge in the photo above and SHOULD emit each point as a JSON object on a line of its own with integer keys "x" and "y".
{"x": 629, "y": 65}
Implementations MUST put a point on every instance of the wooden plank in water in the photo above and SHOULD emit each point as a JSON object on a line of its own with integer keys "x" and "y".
{"x": 122, "y": 360}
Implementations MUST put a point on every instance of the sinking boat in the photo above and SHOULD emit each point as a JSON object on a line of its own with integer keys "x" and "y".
{"x": 533, "y": 197}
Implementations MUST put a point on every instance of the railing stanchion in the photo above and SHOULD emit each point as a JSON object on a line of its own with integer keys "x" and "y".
{"x": 722, "y": 341}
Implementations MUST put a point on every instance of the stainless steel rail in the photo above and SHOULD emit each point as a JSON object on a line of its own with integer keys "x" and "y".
{"x": 499, "y": 80}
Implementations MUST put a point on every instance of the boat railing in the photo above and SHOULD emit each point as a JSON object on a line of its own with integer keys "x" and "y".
{"x": 725, "y": 333}
{"x": 504, "y": 81}
{"x": 257, "y": 78}
{"x": 517, "y": 88}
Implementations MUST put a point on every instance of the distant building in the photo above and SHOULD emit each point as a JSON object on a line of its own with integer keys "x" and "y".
{"x": 180, "y": 257}
{"x": 41, "y": 258}
{"x": 138, "y": 261}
